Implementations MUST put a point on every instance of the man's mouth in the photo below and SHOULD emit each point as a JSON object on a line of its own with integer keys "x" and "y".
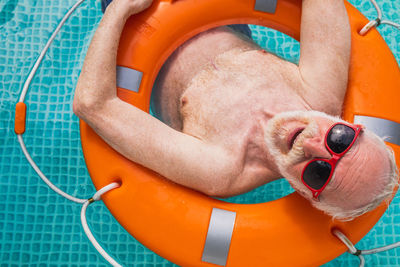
{"x": 291, "y": 139}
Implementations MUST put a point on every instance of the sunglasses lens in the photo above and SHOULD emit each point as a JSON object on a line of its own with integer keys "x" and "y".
{"x": 316, "y": 174}
{"x": 340, "y": 137}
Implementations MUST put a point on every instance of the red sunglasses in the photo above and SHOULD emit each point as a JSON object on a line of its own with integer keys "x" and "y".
{"x": 338, "y": 140}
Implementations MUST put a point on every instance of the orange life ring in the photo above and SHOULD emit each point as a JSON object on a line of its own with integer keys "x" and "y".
{"x": 174, "y": 221}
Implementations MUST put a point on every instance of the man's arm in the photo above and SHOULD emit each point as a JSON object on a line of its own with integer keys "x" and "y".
{"x": 325, "y": 43}
{"x": 135, "y": 134}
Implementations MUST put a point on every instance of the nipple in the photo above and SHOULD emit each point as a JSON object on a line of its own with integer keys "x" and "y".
{"x": 183, "y": 101}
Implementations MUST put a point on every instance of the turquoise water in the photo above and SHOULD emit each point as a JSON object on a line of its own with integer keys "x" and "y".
{"x": 38, "y": 227}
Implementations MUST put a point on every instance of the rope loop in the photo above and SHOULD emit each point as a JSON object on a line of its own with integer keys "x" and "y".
{"x": 105, "y": 189}
{"x": 352, "y": 249}
{"x": 86, "y": 229}
{"x": 369, "y": 26}
{"x": 378, "y": 21}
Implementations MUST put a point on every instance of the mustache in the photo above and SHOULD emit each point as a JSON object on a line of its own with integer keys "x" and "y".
{"x": 279, "y": 133}
{"x": 296, "y": 154}
{"x": 276, "y": 139}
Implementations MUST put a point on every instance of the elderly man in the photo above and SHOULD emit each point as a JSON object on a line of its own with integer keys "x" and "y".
{"x": 235, "y": 117}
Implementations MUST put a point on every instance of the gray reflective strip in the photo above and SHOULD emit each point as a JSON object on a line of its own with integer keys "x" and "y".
{"x": 219, "y": 236}
{"x": 381, "y": 127}
{"x": 268, "y": 6}
{"x": 128, "y": 78}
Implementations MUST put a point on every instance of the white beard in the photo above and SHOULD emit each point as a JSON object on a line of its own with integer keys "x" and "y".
{"x": 276, "y": 135}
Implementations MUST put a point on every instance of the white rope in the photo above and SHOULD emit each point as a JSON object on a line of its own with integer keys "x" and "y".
{"x": 352, "y": 249}
{"x": 42, "y": 176}
{"x": 22, "y": 98}
{"x": 380, "y": 249}
{"x": 86, "y": 228}
{"x": 356, "y": 252}
{"x": 46, "y": 47}
{"x": 378, "y": 21}
{"x": 98, "y": 194}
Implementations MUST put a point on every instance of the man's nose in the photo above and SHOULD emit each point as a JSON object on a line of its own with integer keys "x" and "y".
{"x": 315, "y": 148}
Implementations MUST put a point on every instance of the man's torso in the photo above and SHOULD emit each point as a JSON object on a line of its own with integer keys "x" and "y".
{"x": 222, "y": 89}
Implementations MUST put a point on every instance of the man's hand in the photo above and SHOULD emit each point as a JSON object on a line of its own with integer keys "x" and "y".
{"x": 128, "y": 8}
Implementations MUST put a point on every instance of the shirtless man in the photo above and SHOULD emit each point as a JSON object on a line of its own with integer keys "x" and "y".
{"x": 234, "y": 117}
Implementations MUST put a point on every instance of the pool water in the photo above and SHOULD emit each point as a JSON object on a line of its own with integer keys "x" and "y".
{"x": 40, "y": 228}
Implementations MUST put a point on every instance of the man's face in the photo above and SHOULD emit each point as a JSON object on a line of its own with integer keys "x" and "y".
{"x": 294, "y": 138}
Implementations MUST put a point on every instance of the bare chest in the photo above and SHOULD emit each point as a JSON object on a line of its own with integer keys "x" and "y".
{"x": 228, "y": 102}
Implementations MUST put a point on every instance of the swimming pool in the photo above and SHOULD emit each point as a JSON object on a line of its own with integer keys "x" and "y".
{"x": 38, "y": 227}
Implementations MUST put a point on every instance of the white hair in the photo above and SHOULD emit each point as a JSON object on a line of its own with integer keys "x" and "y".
{"x": 388, "y": 178}
{"x": 391, "y": 177}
